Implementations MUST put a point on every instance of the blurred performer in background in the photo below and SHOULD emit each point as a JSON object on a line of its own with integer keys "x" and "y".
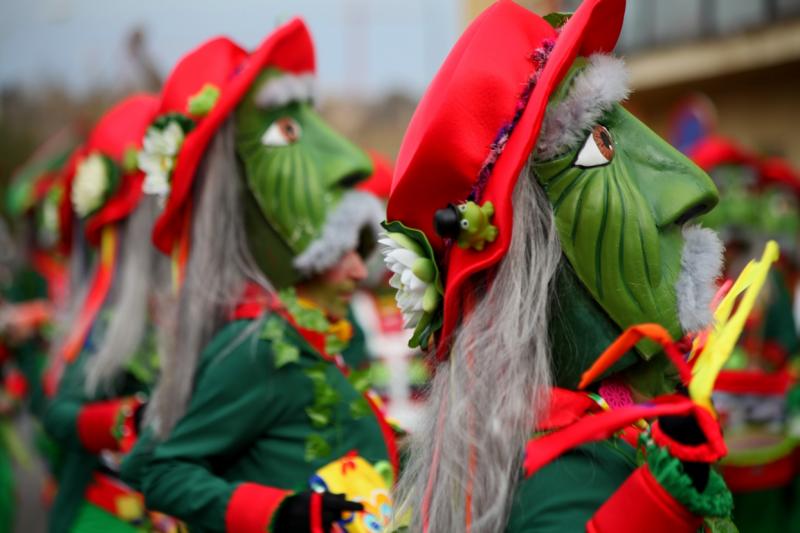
{"x": 107, "y": 360}
{"x": 531, "y": 220}
{"x": 258, "y": 422}
{"x": 757, "y": 394}
{"x": 33, "y": 288}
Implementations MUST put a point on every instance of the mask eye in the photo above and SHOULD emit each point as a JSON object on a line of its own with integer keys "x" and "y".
{"x": 283, "y": 132}
{"x": 464, "y": 223}
{"x": 597, "y": 150}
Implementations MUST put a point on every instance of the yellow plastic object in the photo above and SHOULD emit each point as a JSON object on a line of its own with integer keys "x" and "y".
{"x": 729, "y": 320}
{"x": 360, "y": 482}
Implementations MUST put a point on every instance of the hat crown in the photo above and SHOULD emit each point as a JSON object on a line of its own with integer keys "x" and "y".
{"x": 473, "y": 96}
{"x": 214, "y": 62}
{"x": 123, "y": 126}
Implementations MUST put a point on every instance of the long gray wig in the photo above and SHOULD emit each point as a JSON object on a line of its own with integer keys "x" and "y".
{"x": 141, "y": 287}
{"x": 219, "y": 266}
{"x": 484, "y": 400}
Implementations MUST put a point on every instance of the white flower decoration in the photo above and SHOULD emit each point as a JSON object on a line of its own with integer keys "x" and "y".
{"x": 157, "y": 158}
{"x": 90, "y": 185}
{"x": 413, "y": 276}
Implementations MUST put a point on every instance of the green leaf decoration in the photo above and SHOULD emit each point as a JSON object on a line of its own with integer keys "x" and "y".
{"x": 130, "y": 160}
{"x": 359, "y": 408}
{"x": 285, "y": 353}
{"x": 557, "y": 19}
{"x": 202, "y": 102}
{"x": 273, "y": 329}
{"x": 415, "y": 240}
{"x": 316, "y": 448}
{"x": 385, "y": 470}
{"x": 320, "y": 416}
{"x": 360, "y": 380}
{"x": 720, "y": 525}
{"x": 326, "y": 398}
{"x": 186, "y": 123}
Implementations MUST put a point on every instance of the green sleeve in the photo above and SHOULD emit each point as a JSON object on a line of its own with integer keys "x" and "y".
{"x": 356, "y": 354}
{"x": 565, "y": 494}
{"x": 232, "y": 402}
{"x": 60, "y": 417}
{"x": 134, "y": 463}
{"x": 30, "y": 360}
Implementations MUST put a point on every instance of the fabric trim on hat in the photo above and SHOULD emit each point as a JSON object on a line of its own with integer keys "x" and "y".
{"x": 603, "y": 83}
{"x": 287, "y": 88}
{"x": 341, "y": 232}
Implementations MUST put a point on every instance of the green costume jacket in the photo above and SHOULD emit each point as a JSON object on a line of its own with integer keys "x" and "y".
{"x": 267, "y": 413}
{"x": 84, "y": 426}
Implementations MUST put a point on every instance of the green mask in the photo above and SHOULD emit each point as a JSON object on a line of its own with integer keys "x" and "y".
{"x": 297, "y": 170}
{"x": 620, "y": 198}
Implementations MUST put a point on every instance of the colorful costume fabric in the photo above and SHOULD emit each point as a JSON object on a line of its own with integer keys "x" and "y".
{"x": 257, "y": 423}
{"x": 532, "y": 219}
{"x": 757, "y": 394}
{"x": 95, "y": 396}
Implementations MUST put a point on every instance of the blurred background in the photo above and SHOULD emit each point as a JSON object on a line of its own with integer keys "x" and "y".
{"x": 733, "y": 64}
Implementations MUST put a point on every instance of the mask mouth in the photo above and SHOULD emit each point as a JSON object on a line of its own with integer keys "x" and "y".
{"x": 701, "y": 266}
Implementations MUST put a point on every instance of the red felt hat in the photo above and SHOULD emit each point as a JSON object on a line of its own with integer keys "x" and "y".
{"x": 232, "y": 70}
{"x": 775, "y": 170}
{"x": 479, "y": 120}
{"x": 119, "y": 130}
{"x": 379, "y": 183}
{"x": 715, "y": 150}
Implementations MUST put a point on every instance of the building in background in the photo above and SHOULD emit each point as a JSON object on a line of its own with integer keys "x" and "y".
{"x": 743, "y": 54}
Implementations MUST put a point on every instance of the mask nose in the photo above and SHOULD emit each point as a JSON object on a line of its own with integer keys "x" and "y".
{"x": 676, "y": 188}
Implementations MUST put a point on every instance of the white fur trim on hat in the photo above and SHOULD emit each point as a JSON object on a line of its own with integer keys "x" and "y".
{"x": 603, "y": 83}
{"x": 341, "y": 232}
{"x": 287, "y": 88}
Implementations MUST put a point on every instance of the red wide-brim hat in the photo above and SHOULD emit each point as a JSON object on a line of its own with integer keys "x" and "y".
{"x": 470, "y": 103}
{"x": 232, "y": 70}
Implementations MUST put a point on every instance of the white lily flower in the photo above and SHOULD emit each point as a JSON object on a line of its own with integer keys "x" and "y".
{"x": 410, "y": 288}
{"x": 90, "y": 185}
{"x": 166, "y": 141}
{"x": 157, "y": 158}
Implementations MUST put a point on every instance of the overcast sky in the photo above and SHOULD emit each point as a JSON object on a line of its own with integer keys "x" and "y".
{"x": 369, "y": 46}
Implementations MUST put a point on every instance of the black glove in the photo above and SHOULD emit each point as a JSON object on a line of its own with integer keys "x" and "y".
{"x": 294, "y": 514}
{"x": 686, "y": 430}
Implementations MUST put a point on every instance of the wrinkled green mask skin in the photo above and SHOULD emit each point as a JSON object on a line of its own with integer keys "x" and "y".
{"x": 292, "y": 187}
{"x": 620, "y": 225}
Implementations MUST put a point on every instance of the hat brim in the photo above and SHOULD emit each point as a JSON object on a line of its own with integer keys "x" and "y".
{"x": 595, "y": 27}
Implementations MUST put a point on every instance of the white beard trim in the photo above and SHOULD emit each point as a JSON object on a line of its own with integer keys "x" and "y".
{"x": 600, "y": 85}
{"x": 701, "y": 265}
{"x": 287, "y": 88}
{"x": 341, "y": 232}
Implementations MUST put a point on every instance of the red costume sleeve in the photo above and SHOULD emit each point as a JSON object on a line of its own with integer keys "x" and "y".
{"x": 252, "y": 507}
{"x": 642, "y": 504}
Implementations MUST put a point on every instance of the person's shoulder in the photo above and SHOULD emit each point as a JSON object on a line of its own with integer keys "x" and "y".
{"x": 569, "y": 490}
